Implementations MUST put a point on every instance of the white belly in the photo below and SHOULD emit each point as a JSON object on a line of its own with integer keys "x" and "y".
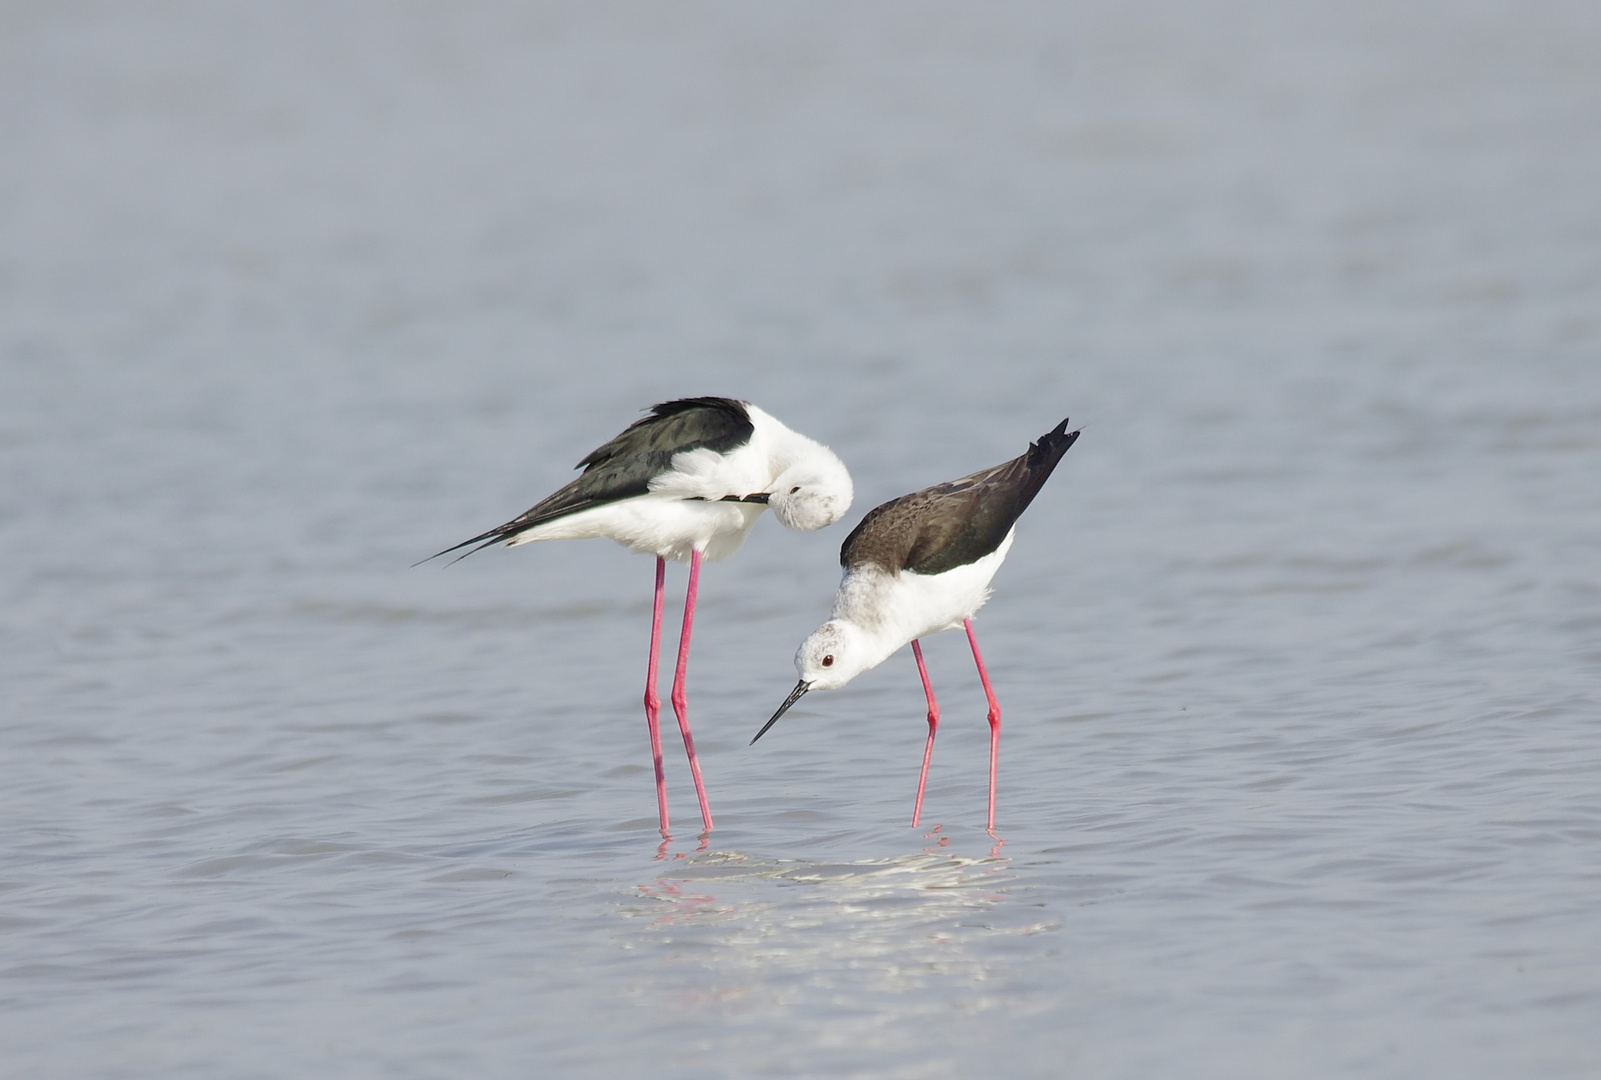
{"x": 665, "y": 526}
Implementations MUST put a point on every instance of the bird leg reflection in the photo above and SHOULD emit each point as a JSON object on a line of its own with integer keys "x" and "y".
{"x": 933, "y": 726}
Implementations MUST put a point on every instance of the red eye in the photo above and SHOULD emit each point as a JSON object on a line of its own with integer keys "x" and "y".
{"x": 794, "y": 489}
{"x": 828, "y": 661}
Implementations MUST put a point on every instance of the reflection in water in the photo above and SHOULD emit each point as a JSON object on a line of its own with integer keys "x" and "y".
{"x": 663, "y": 849}
{"x": 864, "y": 942}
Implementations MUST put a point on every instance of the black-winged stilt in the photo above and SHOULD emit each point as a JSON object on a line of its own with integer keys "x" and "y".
{"x": 920, "y": 564}
{"x": 685, "y": 482}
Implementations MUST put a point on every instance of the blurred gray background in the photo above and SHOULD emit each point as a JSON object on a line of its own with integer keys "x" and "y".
{"x": 1299, "y": 649}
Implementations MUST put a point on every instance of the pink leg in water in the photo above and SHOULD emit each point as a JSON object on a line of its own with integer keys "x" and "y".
{"x": 681, "y": 693}
{"x": 933, "y": 726}
{"x": 653, "y": 704}
{"x": 994, "y": 717}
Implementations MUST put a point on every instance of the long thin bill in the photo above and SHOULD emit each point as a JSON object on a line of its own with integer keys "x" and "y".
{"x": 794, "y": 696}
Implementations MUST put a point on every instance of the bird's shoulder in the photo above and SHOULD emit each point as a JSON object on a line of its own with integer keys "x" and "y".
{"x": 624, "y": 467}
{"x": 673, "y": 427}
{"x": 925, "y": 530}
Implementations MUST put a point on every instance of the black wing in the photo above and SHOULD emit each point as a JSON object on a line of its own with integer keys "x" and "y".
{"x": 958, "y": 522}
{"x": 625, "y": 466}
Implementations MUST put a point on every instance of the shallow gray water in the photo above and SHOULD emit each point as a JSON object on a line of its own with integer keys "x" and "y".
{"x": 1299, "y": 649}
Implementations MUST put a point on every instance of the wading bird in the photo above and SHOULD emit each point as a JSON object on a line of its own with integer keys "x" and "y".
{"x": 685, "y": 482}
{"x": 920, "y": 564}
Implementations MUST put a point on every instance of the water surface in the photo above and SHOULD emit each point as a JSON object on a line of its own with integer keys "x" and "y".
{"x": 1298, "y": 649}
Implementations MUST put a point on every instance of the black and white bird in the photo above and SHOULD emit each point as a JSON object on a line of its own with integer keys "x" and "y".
{"x": 686, "y": 482}
{"x": 920, "y": 564}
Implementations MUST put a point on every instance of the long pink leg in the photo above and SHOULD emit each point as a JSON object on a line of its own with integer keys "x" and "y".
{"x": 933, "y": 726}
{"x": 653, "y": 704}
{"x": 994, "y": 717}
{"x": 681, "y": 692}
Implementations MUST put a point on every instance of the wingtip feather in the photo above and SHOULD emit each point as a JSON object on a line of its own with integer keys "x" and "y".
{"x": 1060, "y": 432}
{"x": 488, "y": 538}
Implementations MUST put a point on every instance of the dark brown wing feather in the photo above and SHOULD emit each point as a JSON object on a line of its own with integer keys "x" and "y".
{"x": 958, "y": 522}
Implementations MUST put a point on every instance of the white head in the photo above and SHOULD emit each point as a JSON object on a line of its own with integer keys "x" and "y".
{"x": 812, "y": 492}
{"x": 836, "y": 653}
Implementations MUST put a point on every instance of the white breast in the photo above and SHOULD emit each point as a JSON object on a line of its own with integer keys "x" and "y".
{"x": 900, "y": 607}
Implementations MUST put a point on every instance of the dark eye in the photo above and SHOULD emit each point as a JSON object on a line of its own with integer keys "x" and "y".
{"x": 828, "y": 661}
{"x": 794, "y": 489}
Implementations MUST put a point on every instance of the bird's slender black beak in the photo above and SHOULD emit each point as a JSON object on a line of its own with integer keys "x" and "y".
{"x": 794, "y": 696}
{"x": 759, "y": 497}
